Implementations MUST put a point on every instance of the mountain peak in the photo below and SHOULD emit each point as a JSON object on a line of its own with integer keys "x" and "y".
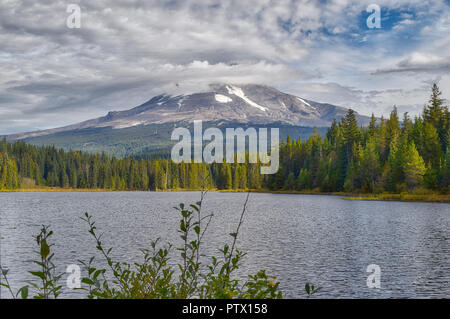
{"x": 245, "y": 103}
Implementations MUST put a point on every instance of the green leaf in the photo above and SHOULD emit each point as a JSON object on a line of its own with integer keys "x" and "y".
{"x": 97, "y": 273}
{"x": 45, "y": 249}
{"x": 24, "y": 292}
{"x": 182, "y": 226}
{"x": 185, "y": 213}
{"x": 38, "y": 274}
{"x": 87, "y": 281}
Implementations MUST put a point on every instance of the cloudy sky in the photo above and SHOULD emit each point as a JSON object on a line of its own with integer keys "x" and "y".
{"x": 128, "y": 51}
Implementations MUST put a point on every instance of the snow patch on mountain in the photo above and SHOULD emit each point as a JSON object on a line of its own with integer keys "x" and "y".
{"x": 128, "y": 124}
{"x": 238, "y": 92}
{"x": 304, "y": 102}
{"x": 180, "y": 103}
{"x": 222, "y": 98}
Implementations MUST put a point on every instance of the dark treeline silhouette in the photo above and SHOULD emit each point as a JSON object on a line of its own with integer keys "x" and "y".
{"x": 389, "y": 155}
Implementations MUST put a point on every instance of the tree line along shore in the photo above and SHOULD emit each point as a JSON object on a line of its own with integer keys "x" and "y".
{"x": 384, "y": 160}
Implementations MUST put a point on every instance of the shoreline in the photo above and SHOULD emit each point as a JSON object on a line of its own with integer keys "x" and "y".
{"x": 399, "y": 197}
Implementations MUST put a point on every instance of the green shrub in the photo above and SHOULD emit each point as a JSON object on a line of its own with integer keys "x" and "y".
{"x": 155, "y": 277}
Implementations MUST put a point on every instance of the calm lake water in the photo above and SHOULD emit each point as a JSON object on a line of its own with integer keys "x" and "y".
{"x": 325, "y": 240}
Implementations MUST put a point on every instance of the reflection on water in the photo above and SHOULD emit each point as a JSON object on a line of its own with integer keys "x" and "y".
{"x": 325, "y": 240}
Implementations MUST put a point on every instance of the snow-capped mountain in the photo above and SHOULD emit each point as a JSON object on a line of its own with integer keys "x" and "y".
{"x": 250, "y": 104}
{"x": 146, "y": 129}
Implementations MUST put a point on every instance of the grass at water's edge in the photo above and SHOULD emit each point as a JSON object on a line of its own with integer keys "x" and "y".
{"x": 55, "y": 189}
{"x": 404, "y": 197}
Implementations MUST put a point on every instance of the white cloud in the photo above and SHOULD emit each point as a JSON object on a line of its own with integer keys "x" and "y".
{"x": 126, "y": 52}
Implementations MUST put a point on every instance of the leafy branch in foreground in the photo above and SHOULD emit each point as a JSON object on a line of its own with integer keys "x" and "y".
{"x": 47, "y": 286}
{"x": 311, "y": 290}
{"x": 155, "y": 277}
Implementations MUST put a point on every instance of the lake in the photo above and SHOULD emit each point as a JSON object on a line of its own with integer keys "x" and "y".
{"x": 324, "y": 240}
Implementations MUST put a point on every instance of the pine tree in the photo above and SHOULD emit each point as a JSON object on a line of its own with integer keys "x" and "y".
{"x": 414, "y": 167}
{"x": 437, "y": 114}
{"x": 431, "y": 148}
{"x": 370, "y": 166}
{"x": 372, "y": 125}
{"x": 237, "y": 176}
{"x": 304, "y": 180}
{"x": 290, "y": 182}
{"x": 351, "y": 132}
